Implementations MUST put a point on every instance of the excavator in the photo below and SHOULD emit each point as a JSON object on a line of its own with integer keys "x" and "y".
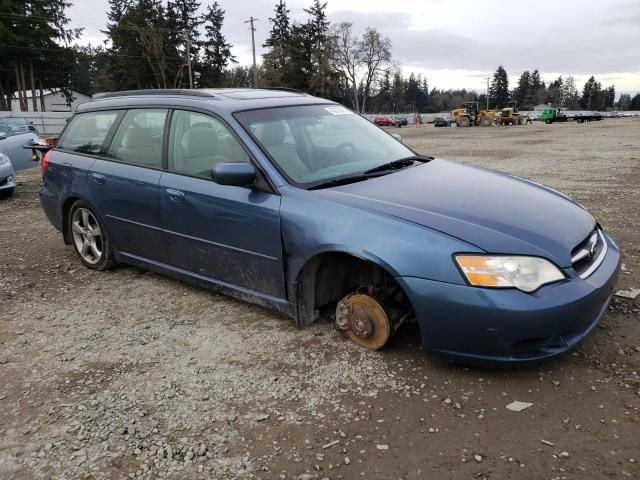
{"x": 471, "y": 116}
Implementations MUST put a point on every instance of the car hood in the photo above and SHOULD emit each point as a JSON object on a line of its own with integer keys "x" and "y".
{"x": 496, "y": 212}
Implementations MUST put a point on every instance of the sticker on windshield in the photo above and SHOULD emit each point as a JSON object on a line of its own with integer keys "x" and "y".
{"x": 338, "y": 111}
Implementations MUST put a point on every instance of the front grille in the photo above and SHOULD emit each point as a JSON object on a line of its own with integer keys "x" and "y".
{"x": 589, "y": 254}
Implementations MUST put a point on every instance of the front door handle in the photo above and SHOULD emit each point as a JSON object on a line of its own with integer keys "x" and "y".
{"x": 175, "y": 195}
{"x": 99, "y": 178}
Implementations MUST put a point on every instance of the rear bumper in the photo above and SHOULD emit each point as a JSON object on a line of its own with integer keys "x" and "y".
{"x": 485, "y": 326}
{"x": 52, "y": 209}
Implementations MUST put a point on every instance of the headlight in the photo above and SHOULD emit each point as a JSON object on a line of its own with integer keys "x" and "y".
{"x": 4, "y": 159}
{"x": 502, "y": 271}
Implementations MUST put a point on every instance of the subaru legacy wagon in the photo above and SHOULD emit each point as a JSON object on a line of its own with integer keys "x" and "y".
{"x": 298, "y": 204}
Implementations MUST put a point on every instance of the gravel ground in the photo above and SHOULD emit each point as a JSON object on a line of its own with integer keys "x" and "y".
{"x": 127, "y": 374}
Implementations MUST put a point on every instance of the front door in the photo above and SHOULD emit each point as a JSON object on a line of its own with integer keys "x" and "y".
{"x": 227, "y": 233}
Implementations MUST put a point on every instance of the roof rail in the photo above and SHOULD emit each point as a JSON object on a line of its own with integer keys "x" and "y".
{"x": 153, "y": 91}
{"x": 284, "y": 89}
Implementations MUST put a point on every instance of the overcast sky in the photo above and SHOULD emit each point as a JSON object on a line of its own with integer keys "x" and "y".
{"x": 458, "y": 43}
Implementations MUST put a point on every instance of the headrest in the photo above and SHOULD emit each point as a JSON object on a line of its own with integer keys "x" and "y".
{"x": 272, "y": 133}
{"x": 137, "y": 137}
{"x": 200, "y": 142}
{"x": 87, "y": 128}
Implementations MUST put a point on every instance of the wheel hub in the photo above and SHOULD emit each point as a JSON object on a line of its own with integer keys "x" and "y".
{"x": 361, "y": 327}
{"x": 364, "y": 320}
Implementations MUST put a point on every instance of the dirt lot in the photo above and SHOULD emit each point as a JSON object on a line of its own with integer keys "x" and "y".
{"x": 129, "y": 374}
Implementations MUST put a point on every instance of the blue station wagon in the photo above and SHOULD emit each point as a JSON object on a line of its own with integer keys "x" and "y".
{"x": 298, "y": 204}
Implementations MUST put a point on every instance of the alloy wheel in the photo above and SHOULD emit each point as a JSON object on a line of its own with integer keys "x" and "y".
{"x": 87, "y": 236}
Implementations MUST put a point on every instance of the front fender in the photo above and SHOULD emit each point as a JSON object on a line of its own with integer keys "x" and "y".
{"x": 312, "y": 225}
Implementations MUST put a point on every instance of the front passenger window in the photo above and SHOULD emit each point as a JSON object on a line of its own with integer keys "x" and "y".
{"x": 139, "y": 138}
{"x": 198, "y": 142}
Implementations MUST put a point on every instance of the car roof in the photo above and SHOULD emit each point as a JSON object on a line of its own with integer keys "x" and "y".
{"x": 217, "y": 99}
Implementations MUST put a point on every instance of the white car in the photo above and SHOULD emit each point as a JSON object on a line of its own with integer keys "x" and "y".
{"x": 13, "y": 136}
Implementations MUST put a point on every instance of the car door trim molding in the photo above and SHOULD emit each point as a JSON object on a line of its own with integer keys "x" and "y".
{"x": 228, "y": 247}
{"x": 171, "y": 232}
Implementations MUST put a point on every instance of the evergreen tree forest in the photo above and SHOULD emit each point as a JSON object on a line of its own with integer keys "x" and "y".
{"x": 181, "y": 44}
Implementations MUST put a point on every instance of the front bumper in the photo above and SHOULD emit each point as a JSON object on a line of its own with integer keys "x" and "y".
{"x": 7, "y": 177}
{"x": 493, "y": 326}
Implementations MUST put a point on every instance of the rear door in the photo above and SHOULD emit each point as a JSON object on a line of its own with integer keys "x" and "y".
{"x": 124, "y": 185}
{"x": 228, "y": 233}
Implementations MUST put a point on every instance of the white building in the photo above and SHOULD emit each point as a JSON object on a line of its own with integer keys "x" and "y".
{"x": 54, "y": 101}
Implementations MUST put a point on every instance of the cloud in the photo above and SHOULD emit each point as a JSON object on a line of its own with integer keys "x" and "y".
{"x": 580, "y": 37}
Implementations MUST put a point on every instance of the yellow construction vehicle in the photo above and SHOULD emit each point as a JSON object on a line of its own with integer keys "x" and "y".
{"x": 511, "y": 116}
{"x": 470, "y": 116}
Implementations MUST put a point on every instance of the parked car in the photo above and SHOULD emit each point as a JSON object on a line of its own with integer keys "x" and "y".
{"x": 298, "y": 204}
{"x": 15, "y": 125}
{"x": 402, "y": 120}
{"x": 13, "y": 135}
{"x": 441, "y": 122}
{"x": 7, "y": 176}
{"x": 383, "y": 122}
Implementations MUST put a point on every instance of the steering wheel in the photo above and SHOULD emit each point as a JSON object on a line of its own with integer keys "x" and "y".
{"x": 343, "y": 152}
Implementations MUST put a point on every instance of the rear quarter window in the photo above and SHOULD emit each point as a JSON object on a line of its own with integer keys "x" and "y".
{"x": 87, "y": 132}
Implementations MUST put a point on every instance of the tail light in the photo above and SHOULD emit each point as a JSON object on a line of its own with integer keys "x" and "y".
{"x": 44, "y": 162}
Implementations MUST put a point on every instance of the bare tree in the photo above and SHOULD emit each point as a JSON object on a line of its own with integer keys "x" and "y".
{"x": 374, "y": 53}
{"x": 346, "y": 59}
{"x": 364, "y": 59}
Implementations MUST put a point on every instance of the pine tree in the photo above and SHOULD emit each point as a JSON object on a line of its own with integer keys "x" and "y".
{"x": 280, "y": 27}
{"x": 36, "y": 52}
{"x": 623, "y": 102}
{"x": 521, "y": 92}
{"x": 592, "y": 96}
{"x": 634, "y": 104}
{"x": 570, "y": 97}
{"x": 317, "y": 30}
{"x": 555, "y": 90}
{"x": 216, "y": 50}
{"x": 610, "y": 96}
{"x": 183, "y": 24}
{"x": 278, "y": 42}
{"x": 499, "y": 89}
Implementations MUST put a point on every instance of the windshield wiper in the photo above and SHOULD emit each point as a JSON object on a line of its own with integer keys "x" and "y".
{"x": 334, "y": 182}
{"x": 378, "y": 171}
{"x": 398, "y": 164}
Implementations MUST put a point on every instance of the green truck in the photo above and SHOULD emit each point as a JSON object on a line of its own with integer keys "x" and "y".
{"x": 554, "y": 115}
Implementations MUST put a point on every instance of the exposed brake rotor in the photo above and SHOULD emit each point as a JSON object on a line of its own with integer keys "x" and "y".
{"x": 364, "y": 319}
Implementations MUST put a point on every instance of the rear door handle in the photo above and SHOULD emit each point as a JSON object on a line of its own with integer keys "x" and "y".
{"x": 175, "y": 195}
{"x": 99, "y": 178}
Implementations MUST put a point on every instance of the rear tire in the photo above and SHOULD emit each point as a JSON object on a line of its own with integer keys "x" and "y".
{"x": 485, "y": 122}
{"x": 89, "y": 238}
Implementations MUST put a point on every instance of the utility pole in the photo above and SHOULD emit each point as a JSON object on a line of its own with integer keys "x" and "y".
{"x": 188, "y": 42}
{"x": 253, "y": 45}
{"x": 487, "y": 93}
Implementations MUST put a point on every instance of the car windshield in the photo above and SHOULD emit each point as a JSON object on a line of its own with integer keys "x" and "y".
{"x": 13, "y": 126}
{"x": 314, "y": 144}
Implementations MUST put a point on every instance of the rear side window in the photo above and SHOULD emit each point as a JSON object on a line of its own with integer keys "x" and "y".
{"x": 198, "y": 142}
{"x": 139, "y": 138}
{"x": 87, "y": 131}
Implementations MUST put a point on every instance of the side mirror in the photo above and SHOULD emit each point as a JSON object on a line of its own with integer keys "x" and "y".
{"x": 234, "y": 174}
{"x": 3, "y": 135}
{"x": 397, "y": 137}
